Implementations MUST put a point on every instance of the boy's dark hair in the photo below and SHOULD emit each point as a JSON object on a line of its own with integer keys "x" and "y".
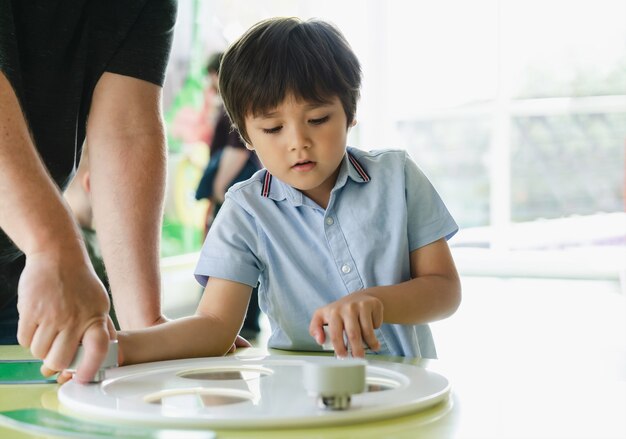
{"x": 213, "y": 64}
{"x": 279, "y": 56}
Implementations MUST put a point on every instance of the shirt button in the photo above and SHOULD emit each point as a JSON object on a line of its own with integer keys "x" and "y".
{"x": 346, "y": 269}
{"x": 329, "y": 221}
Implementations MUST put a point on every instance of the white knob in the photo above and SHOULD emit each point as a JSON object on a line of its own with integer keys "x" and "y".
{"x": 334, "y": 381}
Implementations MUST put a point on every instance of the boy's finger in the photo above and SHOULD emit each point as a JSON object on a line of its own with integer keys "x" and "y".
{"x": 355, "y": 337}
{"x": 316, "y": 329}
{"x": 241, "y": 342}
{"x": 377, "y": 317}
{"x": 367, "y": 330}
{"x": 335, "y": 329}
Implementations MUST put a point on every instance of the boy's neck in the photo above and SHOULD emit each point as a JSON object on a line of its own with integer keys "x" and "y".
{"x": 321, "y": 194}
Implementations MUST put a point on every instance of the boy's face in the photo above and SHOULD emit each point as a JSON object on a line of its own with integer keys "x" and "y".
{"x": 302, "y": 144}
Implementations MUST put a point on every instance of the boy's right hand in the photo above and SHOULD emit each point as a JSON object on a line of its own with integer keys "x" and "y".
{"x": 356, "y": 314}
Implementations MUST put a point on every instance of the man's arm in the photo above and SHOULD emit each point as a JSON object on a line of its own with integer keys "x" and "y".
{"x": 127, "y": 158}
{"x": 60, "y": 299}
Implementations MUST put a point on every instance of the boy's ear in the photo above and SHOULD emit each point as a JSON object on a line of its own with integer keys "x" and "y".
{"x": 86, "y": 182}
{"x": 353, "y": 122}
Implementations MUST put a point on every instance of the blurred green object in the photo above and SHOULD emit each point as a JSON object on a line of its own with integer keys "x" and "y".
{"x": 178, "y": 236}
{"x": 23, "y": 372}
{"x": 178, "y": 239}
{"x": 190, "y": 95}
{"x": 53, "y": 424}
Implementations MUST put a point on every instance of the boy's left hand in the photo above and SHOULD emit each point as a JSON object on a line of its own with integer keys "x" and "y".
{"x": 357, "y": 314}
{"x": 240, "y": 342}
{"x": 64, "y": 375}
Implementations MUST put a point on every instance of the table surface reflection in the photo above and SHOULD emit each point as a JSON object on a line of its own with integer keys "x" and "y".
{"x": 505, "y": 398}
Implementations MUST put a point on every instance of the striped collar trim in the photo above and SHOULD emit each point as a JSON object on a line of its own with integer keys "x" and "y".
{"x": 359, "y": 168}
{"x": 356, "y": 165}
{"x": 267, "y": 184}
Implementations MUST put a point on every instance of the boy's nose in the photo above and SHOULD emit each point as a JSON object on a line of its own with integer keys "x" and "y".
{"x": 300, "y": 139}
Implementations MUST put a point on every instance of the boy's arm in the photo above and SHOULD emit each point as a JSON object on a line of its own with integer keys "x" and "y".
{"x": 210, "y": 332}
{"x": 433, "y": 293}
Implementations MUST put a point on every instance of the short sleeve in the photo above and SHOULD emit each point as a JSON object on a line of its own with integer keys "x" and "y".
{"x": 145, "y": 51}
{"x": 9, "y": 56}
{"x": 231, "y": 247}
{"x": 428, "y": 219}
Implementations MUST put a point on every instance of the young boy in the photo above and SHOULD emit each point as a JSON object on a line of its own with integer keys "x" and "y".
{"x": 333, "y": 235}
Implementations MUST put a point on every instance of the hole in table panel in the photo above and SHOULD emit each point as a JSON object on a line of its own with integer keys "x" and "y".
{"x": 375, "y": 384}
{"x": 227, "y": 373}
{"x": 197, "y": 397}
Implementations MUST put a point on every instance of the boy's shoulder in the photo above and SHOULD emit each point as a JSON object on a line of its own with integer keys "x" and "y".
{"x": 253, "y": 184}
{"x": 378, "y": 154}
{"x": 379, "y": 159}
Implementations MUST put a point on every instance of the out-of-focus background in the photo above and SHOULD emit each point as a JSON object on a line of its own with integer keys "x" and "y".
{"x": 516, "y": 111}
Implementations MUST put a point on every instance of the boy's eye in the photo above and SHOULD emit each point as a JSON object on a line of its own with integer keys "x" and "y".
{"x": 319, "y": 121}
{"x": 272, "y": 130}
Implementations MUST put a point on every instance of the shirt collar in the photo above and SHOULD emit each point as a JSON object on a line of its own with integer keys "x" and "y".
{"x": 350, "y": 168}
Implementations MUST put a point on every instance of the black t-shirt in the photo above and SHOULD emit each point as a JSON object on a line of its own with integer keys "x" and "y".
{"x": 54, "y": 51}
{"x": 224, "y": 134}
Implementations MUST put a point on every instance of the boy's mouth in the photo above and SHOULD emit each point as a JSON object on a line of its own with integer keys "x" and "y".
{"x": 303, "y": 165}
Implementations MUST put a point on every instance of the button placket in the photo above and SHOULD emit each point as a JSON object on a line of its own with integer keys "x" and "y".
{"x": 341, "y": 252}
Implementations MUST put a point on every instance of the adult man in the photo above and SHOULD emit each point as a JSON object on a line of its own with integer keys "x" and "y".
{"x": 70, "y": 71}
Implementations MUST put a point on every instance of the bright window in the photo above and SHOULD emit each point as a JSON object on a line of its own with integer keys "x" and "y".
{"x": 515, "y": 110}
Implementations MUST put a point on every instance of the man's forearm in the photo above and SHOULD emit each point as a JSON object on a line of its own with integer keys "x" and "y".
{"x": 127, "y": 157}
{"x": 128, "y": 201}
{"x": 32, "y": 211}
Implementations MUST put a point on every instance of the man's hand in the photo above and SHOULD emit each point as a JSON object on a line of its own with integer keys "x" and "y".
{"x": 357, "y": 314}
{"x": 61, "y": 302}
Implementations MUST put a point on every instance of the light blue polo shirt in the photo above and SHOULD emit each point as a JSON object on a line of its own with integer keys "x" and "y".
{"x": 304, "y": 257}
